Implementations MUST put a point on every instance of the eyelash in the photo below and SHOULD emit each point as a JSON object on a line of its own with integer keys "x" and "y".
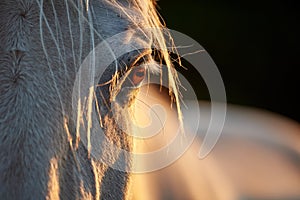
{"x": 141, "y": 60}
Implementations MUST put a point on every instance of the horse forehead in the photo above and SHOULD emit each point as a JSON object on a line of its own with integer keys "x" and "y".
{"x": 111, "y": 19}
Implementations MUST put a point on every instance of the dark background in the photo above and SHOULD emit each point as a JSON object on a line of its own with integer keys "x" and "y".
{"x": 255, "y": 45}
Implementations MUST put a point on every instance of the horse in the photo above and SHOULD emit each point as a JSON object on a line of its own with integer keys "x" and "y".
{"x": 44, "y": 44}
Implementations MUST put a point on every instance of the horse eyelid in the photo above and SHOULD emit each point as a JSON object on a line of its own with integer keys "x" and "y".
{"x": 143, "y": 58}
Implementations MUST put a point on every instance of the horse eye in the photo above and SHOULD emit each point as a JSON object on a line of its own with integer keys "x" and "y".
{"x": 137, "y": 75}
{"x": 138, "y": 71}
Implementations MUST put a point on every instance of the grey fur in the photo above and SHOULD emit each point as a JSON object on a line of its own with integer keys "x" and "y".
{"x": 40, "y": 54}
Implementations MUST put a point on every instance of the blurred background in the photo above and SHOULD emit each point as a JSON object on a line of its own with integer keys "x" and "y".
{"x": 255, "y": 45}
{"x": 257, "y": 156}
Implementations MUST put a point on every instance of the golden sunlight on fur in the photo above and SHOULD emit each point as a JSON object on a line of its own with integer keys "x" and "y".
{"x": 53, "y": 183}
{"x": 256, "y": 157}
